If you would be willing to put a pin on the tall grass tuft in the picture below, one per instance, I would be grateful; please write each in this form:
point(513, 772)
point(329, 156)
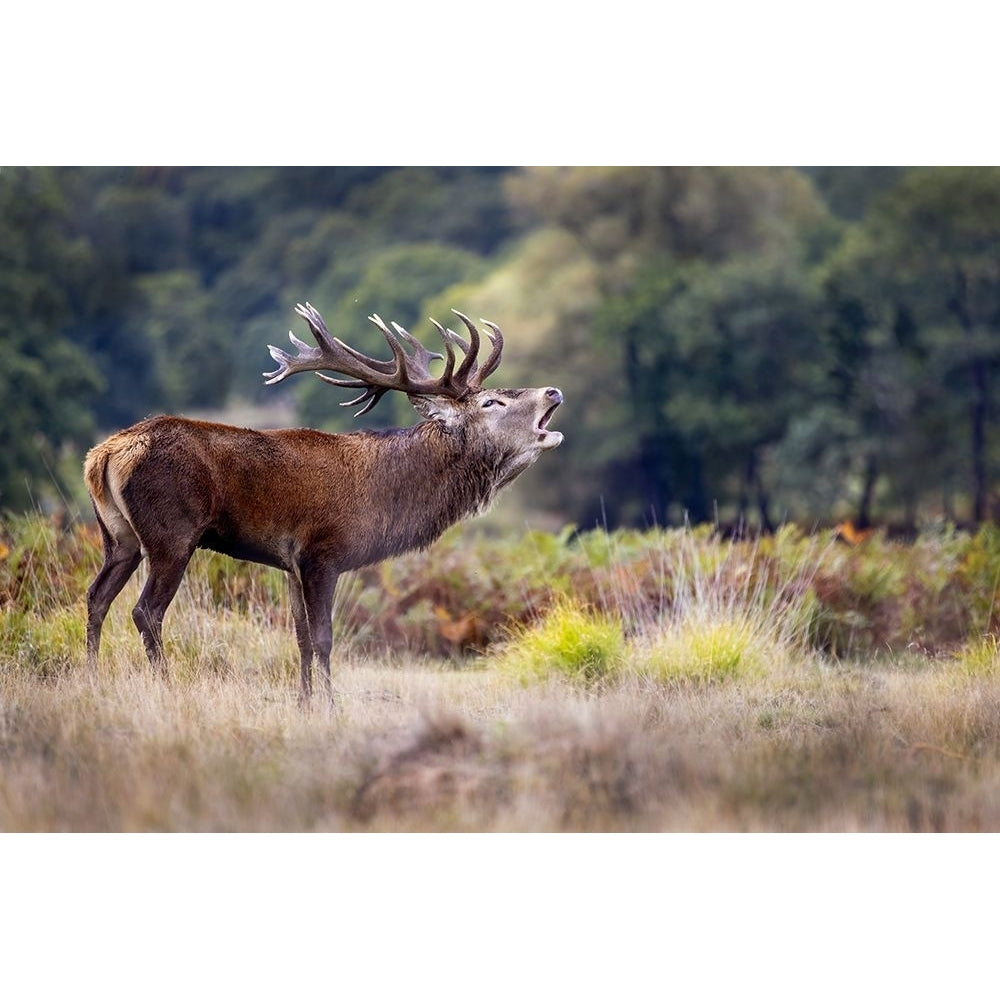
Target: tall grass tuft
point(979, 657)
point(706, 650)
point(571, 641)
point(733, 611)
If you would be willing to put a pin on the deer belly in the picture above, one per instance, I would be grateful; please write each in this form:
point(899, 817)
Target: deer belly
point(233, 544)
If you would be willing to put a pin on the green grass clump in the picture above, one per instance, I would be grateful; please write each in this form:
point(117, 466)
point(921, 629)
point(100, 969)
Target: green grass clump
point(706, 650)
point(979, 657)
point(45, 646)
point(571, 642)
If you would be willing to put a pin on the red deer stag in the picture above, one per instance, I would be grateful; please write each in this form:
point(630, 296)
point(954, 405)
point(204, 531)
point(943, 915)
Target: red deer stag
point(310, 503)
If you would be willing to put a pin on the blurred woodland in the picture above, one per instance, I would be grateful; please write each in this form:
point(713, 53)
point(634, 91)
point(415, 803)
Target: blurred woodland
point(735, 344)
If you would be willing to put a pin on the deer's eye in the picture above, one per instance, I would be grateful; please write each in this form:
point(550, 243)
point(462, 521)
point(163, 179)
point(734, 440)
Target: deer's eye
point(490, 402)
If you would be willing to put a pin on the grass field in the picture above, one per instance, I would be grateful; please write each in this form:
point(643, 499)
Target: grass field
point(662, 680)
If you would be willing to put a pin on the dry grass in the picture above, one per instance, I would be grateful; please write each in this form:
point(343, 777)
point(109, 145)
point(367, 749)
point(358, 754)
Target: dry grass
point(796, 741)
point(901, 745)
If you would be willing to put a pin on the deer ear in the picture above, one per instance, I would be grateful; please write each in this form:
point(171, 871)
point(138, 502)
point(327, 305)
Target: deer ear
point(439, 408)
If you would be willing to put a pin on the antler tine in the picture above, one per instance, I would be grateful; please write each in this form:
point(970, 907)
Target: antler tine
point(472, 352)
point(384, 367)
point(288, 365)
point(310, 314)
point(401, 369)
point(450, 337)
point(449, 365)
point(415, 344)
point(420, 355)
point(493, 361)
point(369, 397)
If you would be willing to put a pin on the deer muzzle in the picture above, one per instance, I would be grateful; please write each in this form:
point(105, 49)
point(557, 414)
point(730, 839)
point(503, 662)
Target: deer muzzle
point(546, 438)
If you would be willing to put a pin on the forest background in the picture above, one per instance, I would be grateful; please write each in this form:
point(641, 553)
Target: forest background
point(753, 345)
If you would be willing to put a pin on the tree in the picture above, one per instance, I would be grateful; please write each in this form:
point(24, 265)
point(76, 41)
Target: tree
point(939, 230)
point(623, 217)
point(645, 242)
point(717, 361)
point(849, 191)
point(914, 327)
point(47, 384)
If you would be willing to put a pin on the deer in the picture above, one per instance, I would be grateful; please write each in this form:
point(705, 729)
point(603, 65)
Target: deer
point(311, 503)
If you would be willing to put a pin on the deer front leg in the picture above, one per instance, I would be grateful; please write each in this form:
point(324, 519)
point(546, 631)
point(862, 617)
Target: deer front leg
point(319, 581)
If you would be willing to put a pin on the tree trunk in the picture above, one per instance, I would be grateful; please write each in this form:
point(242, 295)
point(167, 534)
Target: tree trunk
point(763, 501)
point(864, 518)
point(979, 405)
point(978, 411)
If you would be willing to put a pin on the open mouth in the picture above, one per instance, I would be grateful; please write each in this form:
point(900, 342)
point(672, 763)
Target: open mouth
point(547, 438)
point(546, 417)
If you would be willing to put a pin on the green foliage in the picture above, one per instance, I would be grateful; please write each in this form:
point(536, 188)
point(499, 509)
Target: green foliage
point(178, 320)
point(913, 332)
point(979, 574)
point(47, 384)
point(621, 213)
point(787, 364)
point(850, 192)
point(240, 586)
point(690, 604)
point(718, 361)
point(45, 569)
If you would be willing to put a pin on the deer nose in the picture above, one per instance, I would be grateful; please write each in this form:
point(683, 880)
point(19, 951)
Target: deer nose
point(554, 394)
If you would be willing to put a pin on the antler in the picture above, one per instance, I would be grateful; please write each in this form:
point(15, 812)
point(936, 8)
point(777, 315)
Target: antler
point(408, 371)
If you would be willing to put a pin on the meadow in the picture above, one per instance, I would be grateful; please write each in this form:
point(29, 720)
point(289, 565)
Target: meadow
point(663, 680)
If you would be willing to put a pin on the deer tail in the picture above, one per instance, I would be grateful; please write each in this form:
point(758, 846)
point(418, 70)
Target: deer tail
point(110, 464)
point(95, 470)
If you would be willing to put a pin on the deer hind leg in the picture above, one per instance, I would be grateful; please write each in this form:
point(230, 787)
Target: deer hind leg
point(302, 636)
point(165, 575)
point(122, 554)
point(318, 585)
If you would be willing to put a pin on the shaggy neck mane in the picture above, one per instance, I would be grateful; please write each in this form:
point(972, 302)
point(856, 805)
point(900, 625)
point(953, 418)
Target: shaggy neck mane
point(428, 479)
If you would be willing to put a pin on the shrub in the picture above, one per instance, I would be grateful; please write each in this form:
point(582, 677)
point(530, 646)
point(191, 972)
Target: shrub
point(571, 641)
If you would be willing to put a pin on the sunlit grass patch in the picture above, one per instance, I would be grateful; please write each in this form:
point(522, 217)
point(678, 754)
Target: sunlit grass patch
point(571, 642)
point(979, 657)
point(706, 650)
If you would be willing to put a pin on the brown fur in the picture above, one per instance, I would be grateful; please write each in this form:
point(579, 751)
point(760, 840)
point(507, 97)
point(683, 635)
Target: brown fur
point(310, 503)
